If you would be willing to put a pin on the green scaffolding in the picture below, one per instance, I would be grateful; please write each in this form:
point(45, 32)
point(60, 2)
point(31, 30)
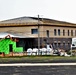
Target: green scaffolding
point(4, 46)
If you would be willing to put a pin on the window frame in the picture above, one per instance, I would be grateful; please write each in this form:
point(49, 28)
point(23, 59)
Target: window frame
point(55, 32)
point(34, 31)
point(68, 33)
point(63, 32)
point(58, 32)
point(47, 33)
point(71, 32)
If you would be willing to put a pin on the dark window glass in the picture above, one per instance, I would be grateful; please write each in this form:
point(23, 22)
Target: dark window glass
point(71, 32)
point(55, 32)
point(47, 33)
point(59, 32)
point(34, 31)
point(68, 32)
point(63, 32)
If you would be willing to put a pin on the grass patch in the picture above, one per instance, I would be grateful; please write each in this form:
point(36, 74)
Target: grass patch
point(35, 58)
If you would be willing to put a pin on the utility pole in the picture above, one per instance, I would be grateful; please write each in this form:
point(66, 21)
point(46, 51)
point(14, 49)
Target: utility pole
point(38, 36)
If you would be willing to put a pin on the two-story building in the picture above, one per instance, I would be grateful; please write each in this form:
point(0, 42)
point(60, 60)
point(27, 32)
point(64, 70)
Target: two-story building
point(36, 32)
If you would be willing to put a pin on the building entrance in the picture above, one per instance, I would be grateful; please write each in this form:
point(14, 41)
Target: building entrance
point(10, 48)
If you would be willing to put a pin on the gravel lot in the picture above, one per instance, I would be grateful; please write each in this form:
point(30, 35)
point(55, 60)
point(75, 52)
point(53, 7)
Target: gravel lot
point(38, 70)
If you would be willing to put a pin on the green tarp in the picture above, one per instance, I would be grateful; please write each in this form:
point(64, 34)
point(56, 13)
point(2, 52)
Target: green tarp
point(5, 46)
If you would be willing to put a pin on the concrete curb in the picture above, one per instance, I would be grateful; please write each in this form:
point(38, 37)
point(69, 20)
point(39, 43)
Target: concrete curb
point(39, 64)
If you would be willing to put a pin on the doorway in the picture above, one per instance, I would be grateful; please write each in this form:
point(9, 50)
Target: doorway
point(10, 48)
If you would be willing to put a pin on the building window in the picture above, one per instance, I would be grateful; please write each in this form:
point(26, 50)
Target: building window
point(34, 31)
point(71, 32)
point(59, 32)
point(68, 32)
point(55, 32)
point(63, 32)
point(47, 33)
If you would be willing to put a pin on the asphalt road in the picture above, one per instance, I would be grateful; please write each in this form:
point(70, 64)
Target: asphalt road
point(38, 70)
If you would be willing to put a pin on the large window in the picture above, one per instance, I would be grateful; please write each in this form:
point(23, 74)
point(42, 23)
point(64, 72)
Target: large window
point(55, 32)
point(59, 32)
point(34, 31)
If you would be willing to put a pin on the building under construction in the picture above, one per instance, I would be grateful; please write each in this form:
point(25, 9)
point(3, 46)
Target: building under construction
point(33, 32)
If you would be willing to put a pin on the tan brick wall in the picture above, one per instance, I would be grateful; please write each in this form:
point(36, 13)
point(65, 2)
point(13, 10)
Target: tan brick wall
point(51, 30)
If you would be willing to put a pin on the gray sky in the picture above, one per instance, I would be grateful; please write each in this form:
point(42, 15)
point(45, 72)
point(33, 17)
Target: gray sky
point(64, 10)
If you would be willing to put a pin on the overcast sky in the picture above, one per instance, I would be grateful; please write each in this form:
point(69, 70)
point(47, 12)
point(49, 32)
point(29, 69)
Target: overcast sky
point(64, 10)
